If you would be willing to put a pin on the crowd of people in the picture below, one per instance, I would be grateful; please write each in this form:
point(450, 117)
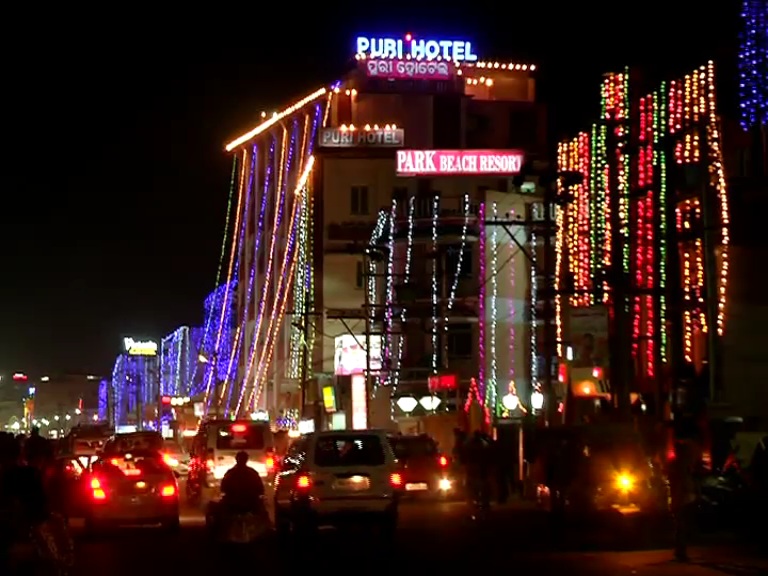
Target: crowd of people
point(33, 529)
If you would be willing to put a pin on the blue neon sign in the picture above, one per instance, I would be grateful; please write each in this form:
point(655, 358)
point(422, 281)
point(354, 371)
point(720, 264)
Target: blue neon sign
point(415, 48)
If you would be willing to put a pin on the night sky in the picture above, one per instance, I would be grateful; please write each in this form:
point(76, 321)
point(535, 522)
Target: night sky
point(112, 218)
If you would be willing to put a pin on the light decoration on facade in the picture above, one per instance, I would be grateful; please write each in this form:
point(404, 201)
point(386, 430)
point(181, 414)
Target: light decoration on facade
point(224, 242)
point(459, 261)
point(372, 284)
point(684, 111)
point(475, 396)
point(232, 258)
point(515, 66)
point(367, 127)
point(390, 292)
point(481, 307)
point(276, 118)
point(534, 294)
point(753, 64)
point(234, 354)
point(513, 250)
point(493, 379)
point(267, 307)
point(482, 81)
point(435, 285)
point(406, 280)
point(301, 193)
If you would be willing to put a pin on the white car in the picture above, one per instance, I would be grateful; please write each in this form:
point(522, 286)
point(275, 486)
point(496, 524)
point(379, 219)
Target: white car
point(331, 477)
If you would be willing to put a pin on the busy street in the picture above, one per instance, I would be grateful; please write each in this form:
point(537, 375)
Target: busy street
point(431, 537)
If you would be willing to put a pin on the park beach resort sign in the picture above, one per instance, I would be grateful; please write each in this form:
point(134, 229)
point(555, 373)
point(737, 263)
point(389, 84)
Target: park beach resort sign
point(458, 162)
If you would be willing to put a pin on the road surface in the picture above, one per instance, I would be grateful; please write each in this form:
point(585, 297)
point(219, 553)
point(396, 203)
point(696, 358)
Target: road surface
point(515, 539)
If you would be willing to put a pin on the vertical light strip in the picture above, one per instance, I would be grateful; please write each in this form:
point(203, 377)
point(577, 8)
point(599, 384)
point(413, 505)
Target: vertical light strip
point(435, 287)
point(494, 308)
point(481, 306)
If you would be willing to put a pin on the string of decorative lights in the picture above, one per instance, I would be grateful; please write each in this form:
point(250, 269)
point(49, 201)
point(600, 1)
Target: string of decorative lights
point(753, 64)
point(301, 192)
point(494, 379)
point(242, 247)
point(481, 306)
point(534, 347)
point(406, 280)
point(232, 257)
point(390, 291)
point(286, 151)
point(222, 252)
point(293, 255)
point(512, 348)
point(268, 169)
point(459, 260)
point(435, 287)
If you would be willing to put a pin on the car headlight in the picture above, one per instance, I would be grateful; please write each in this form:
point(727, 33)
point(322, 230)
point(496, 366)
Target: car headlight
point(625, 482)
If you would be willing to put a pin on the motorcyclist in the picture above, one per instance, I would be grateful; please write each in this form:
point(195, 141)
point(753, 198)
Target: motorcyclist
point(242, 487)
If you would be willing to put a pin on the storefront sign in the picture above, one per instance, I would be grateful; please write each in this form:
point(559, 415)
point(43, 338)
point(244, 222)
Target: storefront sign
point(137, 348)
point(408, 69)
point(458, 162)
point(415, 48)
point(360, 138)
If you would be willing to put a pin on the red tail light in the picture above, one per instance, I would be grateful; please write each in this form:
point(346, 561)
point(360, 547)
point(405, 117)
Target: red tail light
point(98, 490)
point(443, 461)
point(168, 491)
point(396, 480)
point(239, 428)
point(269, 462)
point(303, 482)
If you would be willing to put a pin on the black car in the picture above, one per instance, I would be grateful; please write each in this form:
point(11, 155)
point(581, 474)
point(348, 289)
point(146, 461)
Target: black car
point(424, 469)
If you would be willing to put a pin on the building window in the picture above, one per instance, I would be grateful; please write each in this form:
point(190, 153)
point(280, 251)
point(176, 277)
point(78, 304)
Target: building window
point(358, 201)
point(452, 255)
point(359, 275)
point(460, 341)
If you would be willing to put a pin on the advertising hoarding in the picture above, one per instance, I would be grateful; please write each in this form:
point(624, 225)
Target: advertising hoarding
point(350, 356)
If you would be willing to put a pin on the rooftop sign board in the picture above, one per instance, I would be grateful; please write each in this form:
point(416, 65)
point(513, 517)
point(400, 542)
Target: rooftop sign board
point(411, 48)
point(138, 348)
point(458, 162)
point(361, 138)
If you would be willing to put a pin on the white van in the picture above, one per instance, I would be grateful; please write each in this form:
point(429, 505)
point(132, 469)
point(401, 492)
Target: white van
point(218, 441)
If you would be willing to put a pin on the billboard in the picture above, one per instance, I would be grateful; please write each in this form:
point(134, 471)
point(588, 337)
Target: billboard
point(350, 356)
point(458, 162)
point(589, 336)
point(362, 138)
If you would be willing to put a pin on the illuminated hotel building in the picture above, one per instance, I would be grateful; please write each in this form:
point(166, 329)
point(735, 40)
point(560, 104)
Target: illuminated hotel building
point(339, 248)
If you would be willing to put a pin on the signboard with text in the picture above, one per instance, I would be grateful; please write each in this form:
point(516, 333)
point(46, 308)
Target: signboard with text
point(360, 138)
point(458, 162)
point(412, 48)
point(408, 69)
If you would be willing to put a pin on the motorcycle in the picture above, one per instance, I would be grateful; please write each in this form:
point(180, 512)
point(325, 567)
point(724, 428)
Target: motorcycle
point(239, 528)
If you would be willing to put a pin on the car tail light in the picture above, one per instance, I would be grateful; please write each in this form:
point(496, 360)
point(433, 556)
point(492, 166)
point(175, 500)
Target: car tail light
point(396, 480)
point(239, 428)
point(269, 462)
point(98, 490)
point(443, 461)
point(168, 491)
point(303, 482)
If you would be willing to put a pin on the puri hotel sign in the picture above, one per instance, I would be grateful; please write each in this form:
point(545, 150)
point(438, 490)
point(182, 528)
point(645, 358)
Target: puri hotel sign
point(411, 58)
point(345, 137)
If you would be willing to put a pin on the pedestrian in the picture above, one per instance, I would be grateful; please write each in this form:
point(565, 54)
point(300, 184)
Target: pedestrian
point(683, 494)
